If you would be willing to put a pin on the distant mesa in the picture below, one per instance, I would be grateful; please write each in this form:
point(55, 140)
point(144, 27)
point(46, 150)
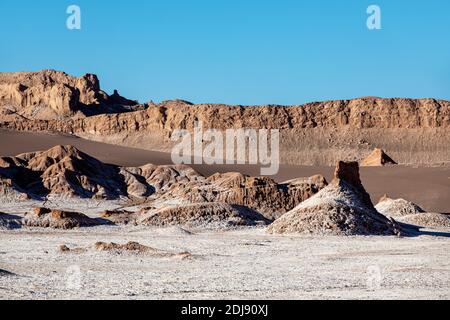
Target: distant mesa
point(315, 133)
point(341, 208)
point(377, 158)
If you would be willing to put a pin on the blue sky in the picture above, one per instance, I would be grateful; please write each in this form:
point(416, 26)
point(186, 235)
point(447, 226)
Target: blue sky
point(235, 51)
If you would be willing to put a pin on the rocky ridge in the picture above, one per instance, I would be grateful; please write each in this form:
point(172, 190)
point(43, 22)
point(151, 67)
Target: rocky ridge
point(64, 171)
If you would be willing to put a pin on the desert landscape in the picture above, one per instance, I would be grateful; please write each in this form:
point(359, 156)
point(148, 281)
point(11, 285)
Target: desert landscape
point(92, 207)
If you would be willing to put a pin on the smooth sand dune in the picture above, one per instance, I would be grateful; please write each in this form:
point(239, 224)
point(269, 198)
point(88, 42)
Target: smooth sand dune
point(428, 187)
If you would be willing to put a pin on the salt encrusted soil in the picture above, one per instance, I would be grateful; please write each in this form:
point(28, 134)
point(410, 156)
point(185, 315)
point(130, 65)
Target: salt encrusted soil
point(397, 207)
point(248, 264)
point(212, 215)
point(428, 219)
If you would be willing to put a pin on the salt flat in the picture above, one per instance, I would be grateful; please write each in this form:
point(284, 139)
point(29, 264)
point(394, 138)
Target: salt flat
point(247, 264)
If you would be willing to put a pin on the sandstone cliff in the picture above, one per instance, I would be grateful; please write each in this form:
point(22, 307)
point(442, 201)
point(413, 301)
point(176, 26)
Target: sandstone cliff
point(52, 94)
point(412, 131)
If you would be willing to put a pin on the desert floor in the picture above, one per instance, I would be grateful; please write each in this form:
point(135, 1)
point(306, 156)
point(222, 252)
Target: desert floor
point(428, 187)
point(246, 263)
point(236, 264)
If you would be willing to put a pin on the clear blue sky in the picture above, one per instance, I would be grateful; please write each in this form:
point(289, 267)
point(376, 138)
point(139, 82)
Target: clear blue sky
point(237, 51)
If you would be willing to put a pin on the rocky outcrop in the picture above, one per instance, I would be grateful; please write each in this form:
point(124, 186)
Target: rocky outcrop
point(205, 215)
point(397, 207)
point(311, 134)
point(50, 94)
point(66, 171)
point(429, 219)
point(9, 222)
point(57, 219)
point(258, 193)
point(377, 158)
point(128, 248)
point(341, 208)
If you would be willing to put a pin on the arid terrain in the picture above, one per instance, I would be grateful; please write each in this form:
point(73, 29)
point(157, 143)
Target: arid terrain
point(247, 264)
point(91, 205)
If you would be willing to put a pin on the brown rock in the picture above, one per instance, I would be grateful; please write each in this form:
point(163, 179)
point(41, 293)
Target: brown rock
point(341, 208)
point(50, 94)
point(316, 133)
point(121, 216)
point(137, 248)
point(65, 170)
point(58, 219)
point(205, 215)
point(377, 158)
point(258, 193)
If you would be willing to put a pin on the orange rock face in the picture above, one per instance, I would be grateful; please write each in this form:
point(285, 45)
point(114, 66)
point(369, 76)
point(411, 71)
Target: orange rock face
point(51, 94)
point(318, 133)
point(377, 158)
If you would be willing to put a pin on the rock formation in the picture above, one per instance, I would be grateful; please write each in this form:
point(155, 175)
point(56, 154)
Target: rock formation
point(316, 133)
point(207, 215)
point(9, 222)
point(127, 248)
point(50, 94)
point(66, 171)
point(58, 219)
point(428, 219)
point(341, 208)
point(121, 217)
point(259, 193)
point(397, 207)
point(377, 158)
